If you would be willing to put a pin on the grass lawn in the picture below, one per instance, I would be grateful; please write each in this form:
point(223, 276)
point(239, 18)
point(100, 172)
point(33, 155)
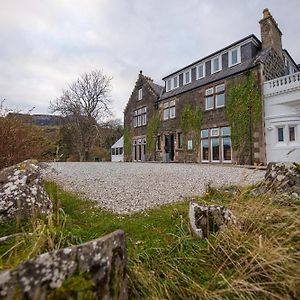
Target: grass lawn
point(260, 261)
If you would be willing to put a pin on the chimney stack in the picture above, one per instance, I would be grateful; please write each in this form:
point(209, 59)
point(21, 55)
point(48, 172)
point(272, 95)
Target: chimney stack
point(270, 33)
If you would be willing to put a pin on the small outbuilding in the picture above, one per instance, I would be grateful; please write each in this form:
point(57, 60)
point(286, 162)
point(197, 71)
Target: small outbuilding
point(117, 150)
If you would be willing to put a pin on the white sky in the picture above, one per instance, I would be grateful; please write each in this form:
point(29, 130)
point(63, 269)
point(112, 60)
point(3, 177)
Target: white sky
point(46, 44)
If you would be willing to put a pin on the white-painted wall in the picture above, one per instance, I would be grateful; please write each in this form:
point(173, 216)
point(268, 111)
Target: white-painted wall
point(282, 109)
point(119, 144)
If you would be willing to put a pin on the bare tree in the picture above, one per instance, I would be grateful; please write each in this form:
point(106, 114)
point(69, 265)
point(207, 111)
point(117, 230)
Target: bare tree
point(85, 103)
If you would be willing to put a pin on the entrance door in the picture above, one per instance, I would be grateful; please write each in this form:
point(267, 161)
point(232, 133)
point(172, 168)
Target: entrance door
point(169, 147)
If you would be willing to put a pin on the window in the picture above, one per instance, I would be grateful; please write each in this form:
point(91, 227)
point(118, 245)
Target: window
point(216, 145)
point(292, 136)
point(190, 145)
point(140, 94)
point(200, 71)
point(220, 96)
point(187, 77)
point(120, 151)
point(113, 151)
point(175, 82)
point(158, 143)
point(169, 85)
point(234, 56)
point(216, 65)
point(169, 110)
point(140, 117)
point(215, 97)
point(280, 134)
point(179, 140)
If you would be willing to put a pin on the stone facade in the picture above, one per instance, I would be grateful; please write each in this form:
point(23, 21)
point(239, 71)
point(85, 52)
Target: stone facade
point(193, 84)
point(100, 264)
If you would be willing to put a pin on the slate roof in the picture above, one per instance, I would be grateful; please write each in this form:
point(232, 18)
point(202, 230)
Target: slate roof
point(156, 87)
point(246, 65)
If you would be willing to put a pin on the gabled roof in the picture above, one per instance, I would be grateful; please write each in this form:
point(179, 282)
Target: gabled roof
point(251, 36)
point(119, 143)
point(156, 88)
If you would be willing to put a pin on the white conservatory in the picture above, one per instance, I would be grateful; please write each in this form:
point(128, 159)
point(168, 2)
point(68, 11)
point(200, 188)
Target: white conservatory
point(117, 150)
point(282, 118)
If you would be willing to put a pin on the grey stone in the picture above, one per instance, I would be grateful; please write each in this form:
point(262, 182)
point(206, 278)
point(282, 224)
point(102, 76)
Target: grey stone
point(207, 219)
point(21, 191)
point(104, 260)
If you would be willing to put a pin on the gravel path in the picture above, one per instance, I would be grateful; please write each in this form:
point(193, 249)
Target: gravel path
point(131, 187)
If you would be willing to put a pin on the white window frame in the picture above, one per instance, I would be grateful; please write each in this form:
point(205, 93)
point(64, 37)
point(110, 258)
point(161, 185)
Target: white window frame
point(211, 148)
point(167, 85)
point(238, 56)
point(212, 64)
point(140, 96)
point(277, 136)
point(219, 93)
point(295, 133)
point(204, 160)
point(197, 70)
point(177, 78)
point(184, 77)
point(222, 142)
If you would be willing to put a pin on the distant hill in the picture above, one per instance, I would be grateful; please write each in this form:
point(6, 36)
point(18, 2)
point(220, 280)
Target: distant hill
point(38, 119)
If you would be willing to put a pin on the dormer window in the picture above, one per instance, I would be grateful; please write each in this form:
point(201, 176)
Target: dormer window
point(200, 71)
point(216, 64)
point(234, 56)
point(175, 82)
point(187, 77)
point(140, 97)
point(169, 85)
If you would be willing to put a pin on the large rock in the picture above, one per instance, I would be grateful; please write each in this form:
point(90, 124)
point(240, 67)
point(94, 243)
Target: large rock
point(21, 191)
point(280, 178)
point(207, 219)
point(98, 268)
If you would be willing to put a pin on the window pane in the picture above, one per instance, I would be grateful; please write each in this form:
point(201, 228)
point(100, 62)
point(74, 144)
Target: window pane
point(292, 134)
point(172, 112)
point(225, 130)
point(166, 104)
point(216, 64)
point(204, 133)
point(200, 71)
point(234, 56)
point(121, 151)
point(166, 113)
point(158, 142)
point(214, 132)
point(209, 102)
point(220, 88)
point(113, 151)
point(169, 84)
point(220, 100)
point(140, 94)
point(280, 134)
point(117, 151)
point(187, 77)
point(175, 82)
point(226, 148)
point(172, 102)
point(215, 149)
point(209, 91)
point(205, 149)
point(179, 140)
point(190, 144)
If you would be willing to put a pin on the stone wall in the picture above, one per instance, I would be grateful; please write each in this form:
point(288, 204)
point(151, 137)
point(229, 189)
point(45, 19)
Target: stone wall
point(98, 268)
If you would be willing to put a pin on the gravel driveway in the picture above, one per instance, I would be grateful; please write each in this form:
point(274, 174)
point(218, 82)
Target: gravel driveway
point(131, 187)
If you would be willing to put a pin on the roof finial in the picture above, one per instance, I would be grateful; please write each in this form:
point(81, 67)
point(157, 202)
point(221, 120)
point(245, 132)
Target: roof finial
point(141, 72)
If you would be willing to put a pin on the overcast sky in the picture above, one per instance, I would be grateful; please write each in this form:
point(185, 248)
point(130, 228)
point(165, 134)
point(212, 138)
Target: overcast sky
point(46, 44)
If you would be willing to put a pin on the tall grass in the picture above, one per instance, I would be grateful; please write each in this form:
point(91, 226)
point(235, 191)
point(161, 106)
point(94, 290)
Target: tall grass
point(261, 260)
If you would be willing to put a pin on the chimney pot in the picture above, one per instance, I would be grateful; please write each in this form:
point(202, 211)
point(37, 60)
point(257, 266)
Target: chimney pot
point(266, 13)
